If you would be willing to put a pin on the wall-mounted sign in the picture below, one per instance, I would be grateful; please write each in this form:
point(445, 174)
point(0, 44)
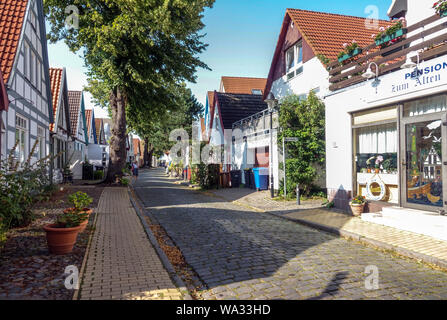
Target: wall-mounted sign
point(420, 77)
point(428, 74)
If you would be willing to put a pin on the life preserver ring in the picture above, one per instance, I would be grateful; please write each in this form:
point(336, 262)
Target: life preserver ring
point(381, 184)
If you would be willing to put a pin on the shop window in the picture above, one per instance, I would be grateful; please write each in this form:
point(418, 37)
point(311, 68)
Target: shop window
point(376, 146)
point(425, 106)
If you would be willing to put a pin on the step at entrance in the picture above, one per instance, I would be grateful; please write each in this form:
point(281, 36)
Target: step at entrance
point(417, 221)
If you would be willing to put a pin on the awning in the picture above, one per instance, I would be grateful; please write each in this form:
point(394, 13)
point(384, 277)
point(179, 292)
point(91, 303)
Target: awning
point(4, 102)
point(397, 7)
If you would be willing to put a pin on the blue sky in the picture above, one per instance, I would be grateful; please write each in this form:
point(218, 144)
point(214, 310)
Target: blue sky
point(241, 34)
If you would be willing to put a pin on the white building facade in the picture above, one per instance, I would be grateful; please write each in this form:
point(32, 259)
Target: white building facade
point(78, 144)
point(27, 82)
point(385, 137)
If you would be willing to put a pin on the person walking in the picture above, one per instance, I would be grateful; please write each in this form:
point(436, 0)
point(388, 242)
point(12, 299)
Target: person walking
point(135, 171)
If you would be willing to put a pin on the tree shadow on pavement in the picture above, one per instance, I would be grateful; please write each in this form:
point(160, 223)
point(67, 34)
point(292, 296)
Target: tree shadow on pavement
point(240, 253)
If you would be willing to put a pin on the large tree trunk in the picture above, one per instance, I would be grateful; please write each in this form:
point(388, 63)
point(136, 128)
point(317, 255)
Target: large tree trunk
point(118, 139)
point(147, 160)
point(151, 152)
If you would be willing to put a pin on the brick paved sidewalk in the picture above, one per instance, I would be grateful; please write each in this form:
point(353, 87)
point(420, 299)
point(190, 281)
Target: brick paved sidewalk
point(122, 263)
point(407, 243)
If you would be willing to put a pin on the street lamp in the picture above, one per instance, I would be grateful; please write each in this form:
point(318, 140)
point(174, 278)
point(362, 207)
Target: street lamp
point(409, 64)
point(271, 103)
point(369, 73)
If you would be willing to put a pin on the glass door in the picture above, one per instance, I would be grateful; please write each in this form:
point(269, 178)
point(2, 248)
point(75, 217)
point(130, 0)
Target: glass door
point(423, 163)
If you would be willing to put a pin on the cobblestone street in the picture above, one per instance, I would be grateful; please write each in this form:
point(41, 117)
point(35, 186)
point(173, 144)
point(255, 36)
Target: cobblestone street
point(242, 254)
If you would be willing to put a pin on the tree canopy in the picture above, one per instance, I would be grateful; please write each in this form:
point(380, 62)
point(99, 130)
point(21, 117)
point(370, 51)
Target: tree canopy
point(137, 52)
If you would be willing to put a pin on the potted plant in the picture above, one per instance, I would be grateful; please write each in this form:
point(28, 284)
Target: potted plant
point(441, 7)
point(378, 163)
point(80, 202)
point(357, 205)
point(369, 164)
point(61, 236)
point(350, 50)
point(390, 34)
point(387, 166)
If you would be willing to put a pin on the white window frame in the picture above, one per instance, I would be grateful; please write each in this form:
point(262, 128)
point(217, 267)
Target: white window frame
point(42, 144)
point(26, 53)
point(292, 72)
point(22, 133)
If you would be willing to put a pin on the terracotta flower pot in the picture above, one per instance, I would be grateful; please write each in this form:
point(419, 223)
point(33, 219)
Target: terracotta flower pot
point(357, 209)
point(377, 170)
point(61, 240)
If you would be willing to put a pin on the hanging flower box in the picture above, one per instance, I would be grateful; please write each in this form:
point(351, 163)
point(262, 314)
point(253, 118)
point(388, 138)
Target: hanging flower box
point(441, 7)
point(347, 56)
point(387, 38)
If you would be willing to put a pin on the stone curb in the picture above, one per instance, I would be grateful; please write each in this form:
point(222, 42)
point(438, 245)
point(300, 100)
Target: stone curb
point(362, 239)
point(164, 259)
point(87, 252)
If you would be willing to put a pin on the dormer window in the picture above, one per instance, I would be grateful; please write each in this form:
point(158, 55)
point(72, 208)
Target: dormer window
point(294, 60)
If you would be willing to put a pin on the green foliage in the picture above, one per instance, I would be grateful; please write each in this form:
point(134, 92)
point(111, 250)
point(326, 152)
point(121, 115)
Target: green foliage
point(138, 55)
point(21, 185)
point(304, 119)
point(389, 31)
point(328, 204)
point(71, 220)
point(324, 60)
point(99, 174)
point(348, 49)
point(156, 127)
point(126, 169)
point(3, 231)
point(124, 181)
point(80, 200)
point(358, 200)
point(208, 175)
point(194, 174)
point(440, 6)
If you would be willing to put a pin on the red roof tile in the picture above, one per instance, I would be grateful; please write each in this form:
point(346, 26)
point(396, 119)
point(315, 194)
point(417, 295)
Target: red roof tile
point(12, 14)
point(88, 119)
point(243, 85)
point(210, 98)
point(202, 127)
point(98, 123)
point(56, 87)
point(327, 32)
point(74, 105)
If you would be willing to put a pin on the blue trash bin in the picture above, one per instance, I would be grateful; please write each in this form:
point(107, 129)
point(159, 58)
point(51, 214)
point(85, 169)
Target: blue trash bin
point(261, 178)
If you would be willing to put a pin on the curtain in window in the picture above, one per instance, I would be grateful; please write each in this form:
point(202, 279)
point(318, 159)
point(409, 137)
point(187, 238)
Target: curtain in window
point(424, 106)
point(377, 139)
